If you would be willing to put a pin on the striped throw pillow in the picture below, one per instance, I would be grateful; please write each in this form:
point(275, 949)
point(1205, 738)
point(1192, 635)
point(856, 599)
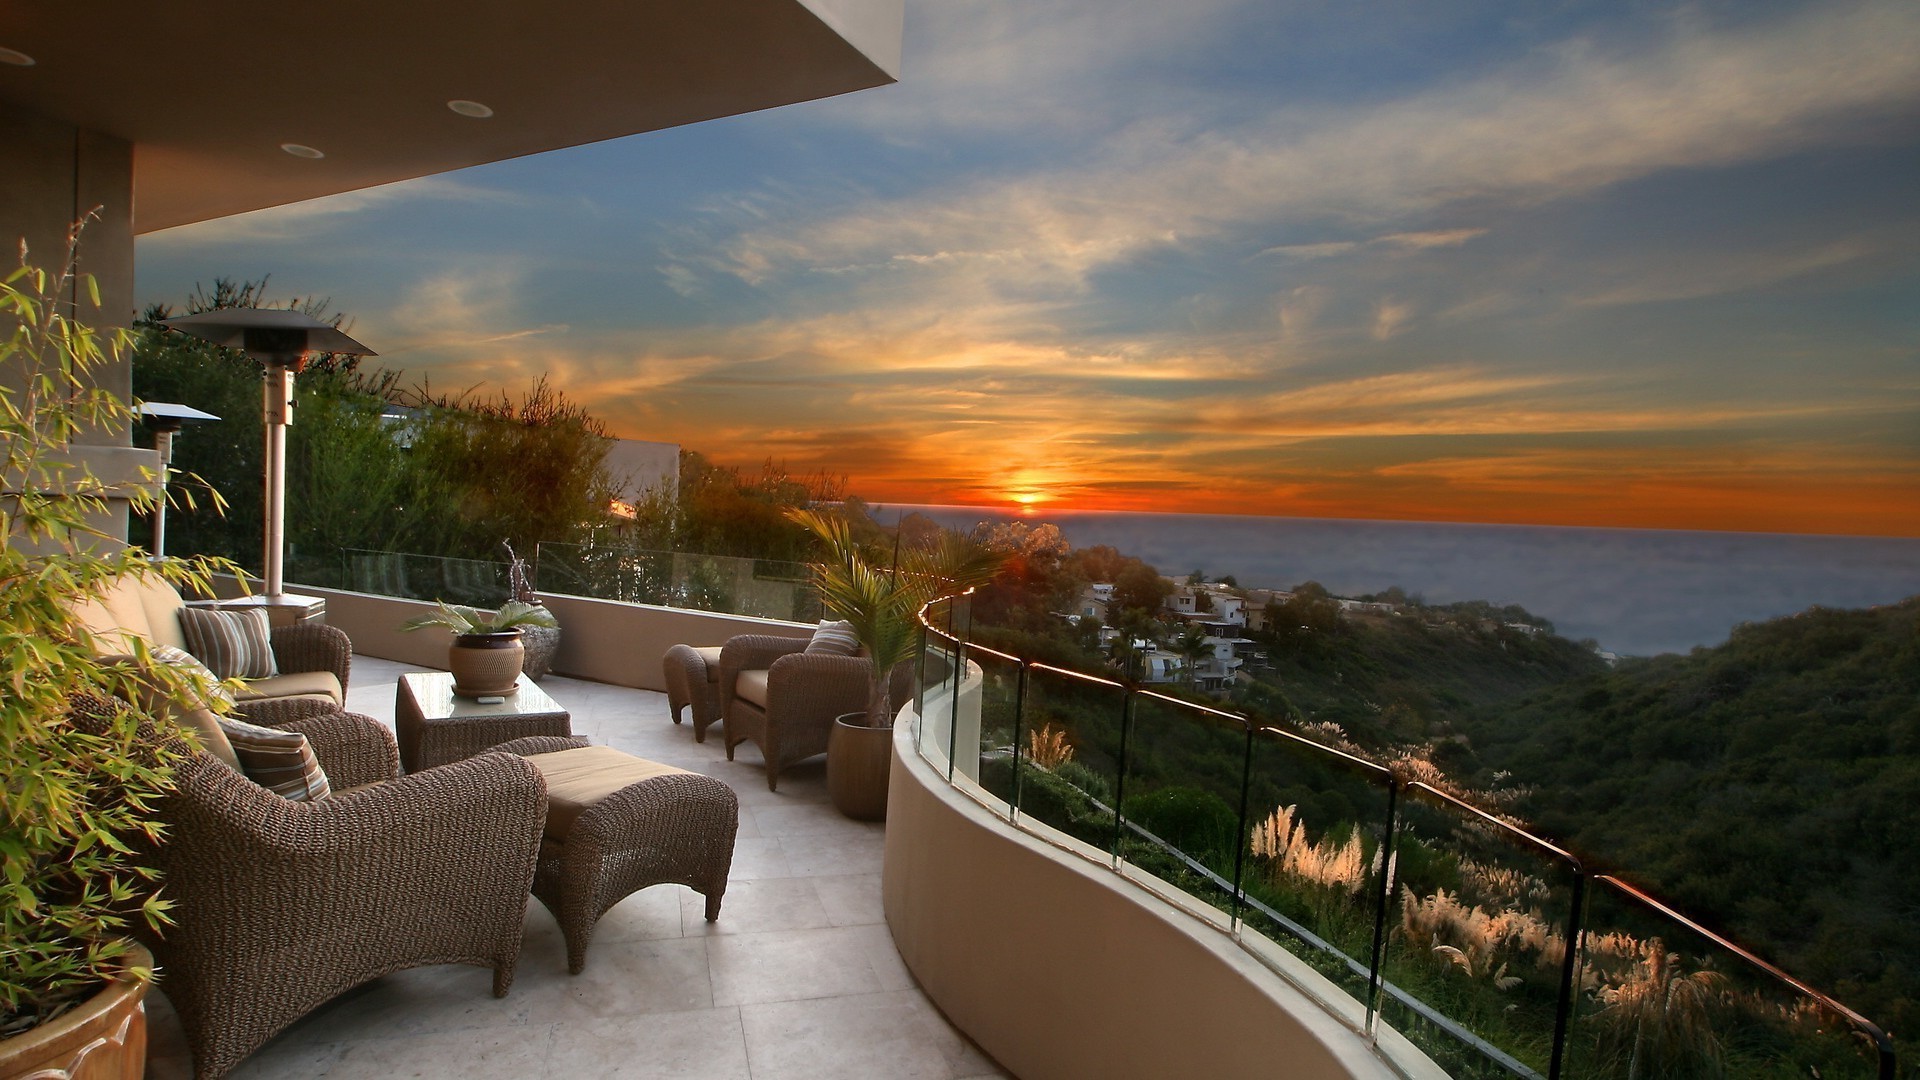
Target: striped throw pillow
point(280, 761)
point(233, 644)
point(212, 694)
point(834, 639)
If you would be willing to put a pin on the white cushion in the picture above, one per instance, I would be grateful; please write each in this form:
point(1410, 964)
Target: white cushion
point(833, 639)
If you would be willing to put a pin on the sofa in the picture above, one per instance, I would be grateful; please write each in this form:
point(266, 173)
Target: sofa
point(313, 659)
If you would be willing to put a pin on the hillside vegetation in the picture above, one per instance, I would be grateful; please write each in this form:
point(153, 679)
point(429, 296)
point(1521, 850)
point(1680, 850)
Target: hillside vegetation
point(1770, 786)
point(1420, 675)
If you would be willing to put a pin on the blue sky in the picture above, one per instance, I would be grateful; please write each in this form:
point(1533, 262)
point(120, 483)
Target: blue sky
point(1611, 263)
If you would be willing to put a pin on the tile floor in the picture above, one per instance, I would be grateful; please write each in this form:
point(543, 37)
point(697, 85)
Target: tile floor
point(798, 979)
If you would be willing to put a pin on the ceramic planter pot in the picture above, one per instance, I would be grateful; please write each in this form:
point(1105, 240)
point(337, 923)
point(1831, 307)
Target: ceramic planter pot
point(859, 759)
point(102, 1038)
point(485, 664)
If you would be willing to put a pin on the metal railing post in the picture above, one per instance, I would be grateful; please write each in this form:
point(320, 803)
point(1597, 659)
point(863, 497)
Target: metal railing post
point(1240, 848)
point(1019, 725)
point(1383, 896)
point(1120, 778)
point(1569, 974)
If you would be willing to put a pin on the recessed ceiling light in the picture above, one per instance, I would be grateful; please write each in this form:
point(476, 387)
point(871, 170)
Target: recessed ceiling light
point(15, 57)
point(469, 108)
point(298, 150)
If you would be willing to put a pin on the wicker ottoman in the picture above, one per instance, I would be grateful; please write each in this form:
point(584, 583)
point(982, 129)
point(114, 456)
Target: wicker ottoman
point(693, 678)
point(617, 824)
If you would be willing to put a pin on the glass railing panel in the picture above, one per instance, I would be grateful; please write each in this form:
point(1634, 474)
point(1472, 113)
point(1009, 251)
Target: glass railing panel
point(1476, 955)
point(1312, 855)
point(936, 686)
point(1068, 762)
point(1660, 996)
point(326, 569)
point(764, 588)
point(1181, 805)
point(1001, 729)
point(474, 582)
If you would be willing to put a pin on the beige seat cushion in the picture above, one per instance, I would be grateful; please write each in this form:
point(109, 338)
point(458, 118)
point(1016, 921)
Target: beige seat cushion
point(712, 658)
point(163, 603)
point(205, 727)
point(752, 686)
point(140, 607)
point(318, 685)
point(578, 779)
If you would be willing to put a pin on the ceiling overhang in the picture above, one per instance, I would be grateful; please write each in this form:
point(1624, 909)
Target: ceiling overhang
point(209, 94)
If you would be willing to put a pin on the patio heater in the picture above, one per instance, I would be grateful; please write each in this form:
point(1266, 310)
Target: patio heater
point(166, 419)
point(281, 340)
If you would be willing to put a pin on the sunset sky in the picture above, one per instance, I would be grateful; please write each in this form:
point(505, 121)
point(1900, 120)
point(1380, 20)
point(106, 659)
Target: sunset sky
point(1575, 263)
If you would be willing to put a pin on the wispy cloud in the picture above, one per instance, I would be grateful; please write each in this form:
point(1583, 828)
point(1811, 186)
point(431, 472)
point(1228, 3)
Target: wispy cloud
point(1689, 275)
point(1432, 238)
point(1588, 119)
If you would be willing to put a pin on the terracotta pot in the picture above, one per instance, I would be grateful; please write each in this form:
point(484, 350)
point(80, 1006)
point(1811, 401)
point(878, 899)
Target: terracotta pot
point(859, 759)
point(102, 1038)
point(484, 664)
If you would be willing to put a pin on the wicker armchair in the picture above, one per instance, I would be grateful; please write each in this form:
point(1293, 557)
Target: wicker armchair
point(279, 906)
point(790, 719)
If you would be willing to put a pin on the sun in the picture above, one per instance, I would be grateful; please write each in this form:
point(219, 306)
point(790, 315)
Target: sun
point(1028, 502)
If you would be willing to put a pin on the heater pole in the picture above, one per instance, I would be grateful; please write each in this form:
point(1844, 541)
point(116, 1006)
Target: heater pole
point(279, 413)
point(163, 445)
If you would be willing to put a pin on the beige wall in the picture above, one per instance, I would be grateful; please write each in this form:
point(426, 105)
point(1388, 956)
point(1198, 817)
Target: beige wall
point(55, 174)
point(1059, 968)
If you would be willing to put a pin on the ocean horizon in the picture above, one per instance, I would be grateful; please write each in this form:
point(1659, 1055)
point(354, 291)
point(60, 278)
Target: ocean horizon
point(1637, 592)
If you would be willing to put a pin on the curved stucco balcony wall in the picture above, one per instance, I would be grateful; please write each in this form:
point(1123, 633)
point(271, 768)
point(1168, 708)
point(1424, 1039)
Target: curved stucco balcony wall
point(1060, 967)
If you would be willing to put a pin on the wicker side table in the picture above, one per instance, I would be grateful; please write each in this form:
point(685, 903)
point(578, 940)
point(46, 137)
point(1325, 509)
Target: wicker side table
point(435, 725)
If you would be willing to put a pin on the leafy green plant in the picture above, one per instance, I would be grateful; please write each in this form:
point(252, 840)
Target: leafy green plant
point(465, 620)
point(881, 603)
point(78, 781)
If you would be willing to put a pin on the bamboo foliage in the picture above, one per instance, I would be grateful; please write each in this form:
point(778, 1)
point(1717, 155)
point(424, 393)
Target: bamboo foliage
point(79, 770)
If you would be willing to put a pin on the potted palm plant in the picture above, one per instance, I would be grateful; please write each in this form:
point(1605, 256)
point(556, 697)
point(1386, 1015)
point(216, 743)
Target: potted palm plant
point(80, 769)
point(881, 602)
point(486, 655)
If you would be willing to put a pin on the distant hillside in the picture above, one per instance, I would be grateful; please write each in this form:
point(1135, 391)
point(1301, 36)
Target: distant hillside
point(1770, 786)
point(1422, 674)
